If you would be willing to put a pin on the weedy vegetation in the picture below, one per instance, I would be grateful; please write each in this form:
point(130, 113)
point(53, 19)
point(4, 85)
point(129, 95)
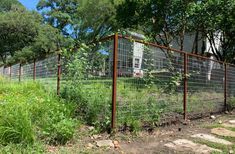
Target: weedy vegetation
point(29, 115)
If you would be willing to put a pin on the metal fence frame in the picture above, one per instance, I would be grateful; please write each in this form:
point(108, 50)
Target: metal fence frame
point(115, 39)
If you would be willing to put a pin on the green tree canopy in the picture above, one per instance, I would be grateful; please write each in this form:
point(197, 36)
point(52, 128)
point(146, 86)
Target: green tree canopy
point(59, 14)
point(160, 20)
point(82, 20)
point(47, 42)
point(17, 30)
point(23, 36)
point(7, 5)
point(215, 20)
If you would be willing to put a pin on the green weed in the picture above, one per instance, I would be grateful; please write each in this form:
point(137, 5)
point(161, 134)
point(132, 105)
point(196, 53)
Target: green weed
point(28, 113)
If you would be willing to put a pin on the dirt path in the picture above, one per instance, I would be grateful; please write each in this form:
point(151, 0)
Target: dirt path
point(202, 136)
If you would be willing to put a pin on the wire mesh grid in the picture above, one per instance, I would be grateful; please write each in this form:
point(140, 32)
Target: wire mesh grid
point(46, 72)
point(1, 70)
point(88, 74)
point(149, 83)
point(27, 72)
point(230, 84)
point(205, 87)
point(6, 71)
point(15, 72)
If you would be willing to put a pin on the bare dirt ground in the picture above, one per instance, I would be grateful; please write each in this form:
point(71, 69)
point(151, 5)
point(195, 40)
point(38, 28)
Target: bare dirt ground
point(153, 142)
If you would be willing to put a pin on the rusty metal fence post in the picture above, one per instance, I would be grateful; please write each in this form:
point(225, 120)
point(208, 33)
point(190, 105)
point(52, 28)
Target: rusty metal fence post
point(185, 85)
point(34, 70)
point(114, 86)
point(20, 72)
point(225, 86)
point(58, 73)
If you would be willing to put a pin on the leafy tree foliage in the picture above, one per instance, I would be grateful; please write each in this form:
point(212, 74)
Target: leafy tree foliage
point(47, 42)
point(84, 21)
point(58, 13)
point(164, 21)
point(23, 36)
point(7, 5)
point(17, 30)
point(161, 20)
point(28, 35)
point(215, 20)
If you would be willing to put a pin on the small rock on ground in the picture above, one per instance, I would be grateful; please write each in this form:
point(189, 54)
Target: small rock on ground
point(182, 145)
point(105, 143)
point(89, 146)
point(231, 121)
point(211, 138)
point(223, 132)
point(91, 128)
point(212, 117)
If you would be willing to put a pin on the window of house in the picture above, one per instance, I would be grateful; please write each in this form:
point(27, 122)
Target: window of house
point(137, 63)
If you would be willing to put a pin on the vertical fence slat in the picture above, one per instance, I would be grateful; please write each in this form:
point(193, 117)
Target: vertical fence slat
point(58, 74)
point(185, 85)
point(114, 86)
point(225, 86)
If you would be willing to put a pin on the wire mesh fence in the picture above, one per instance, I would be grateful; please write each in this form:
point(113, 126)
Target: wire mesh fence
point(149, 83)
point(205, 86)
point(87, 80)
point(43, 71)
point(46, 72)
point(27, 72)
point(230, 85)
point(126, 82)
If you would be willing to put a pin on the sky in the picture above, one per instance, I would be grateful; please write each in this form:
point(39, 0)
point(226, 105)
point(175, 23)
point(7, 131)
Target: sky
point(29, 4)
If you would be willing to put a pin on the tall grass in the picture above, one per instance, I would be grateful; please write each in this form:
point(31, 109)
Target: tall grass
point(28, 113)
